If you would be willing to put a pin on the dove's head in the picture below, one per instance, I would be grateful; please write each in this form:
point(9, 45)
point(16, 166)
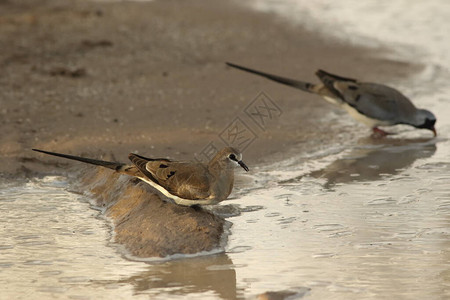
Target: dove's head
point(426, 119)
point(229, 156)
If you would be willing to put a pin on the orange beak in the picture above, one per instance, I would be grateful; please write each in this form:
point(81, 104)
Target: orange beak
point(434, 131)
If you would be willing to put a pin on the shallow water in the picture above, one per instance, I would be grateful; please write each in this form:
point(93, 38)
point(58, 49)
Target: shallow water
point(365, 220)
point(357, 231)
point(53, 245)
point(348, 230)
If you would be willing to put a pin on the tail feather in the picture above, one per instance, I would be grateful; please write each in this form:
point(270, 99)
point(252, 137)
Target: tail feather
point(107, 164)
point(304, 86)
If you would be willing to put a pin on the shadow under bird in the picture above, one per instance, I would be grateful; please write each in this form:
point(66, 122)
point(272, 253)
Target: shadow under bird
point(186, 183)
point(370, 103)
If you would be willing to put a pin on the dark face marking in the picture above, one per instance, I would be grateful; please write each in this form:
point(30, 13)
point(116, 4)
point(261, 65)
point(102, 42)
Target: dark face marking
point(428, 124)
point(170, 174)
point(163, 166)
point(353, 87)
point(357, 97)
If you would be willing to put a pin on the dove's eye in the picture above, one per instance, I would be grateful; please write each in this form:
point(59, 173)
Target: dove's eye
point(232, 157)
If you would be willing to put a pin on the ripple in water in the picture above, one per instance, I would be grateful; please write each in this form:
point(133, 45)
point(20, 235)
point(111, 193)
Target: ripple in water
point(51, 258)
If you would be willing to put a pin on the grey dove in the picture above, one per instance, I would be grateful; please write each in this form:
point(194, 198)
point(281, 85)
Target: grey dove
point(186, 183)
point(370, 103)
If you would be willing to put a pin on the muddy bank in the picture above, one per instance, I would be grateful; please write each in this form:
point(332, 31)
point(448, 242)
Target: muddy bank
point(99, 78)
point(144, 224)
point(104, 79)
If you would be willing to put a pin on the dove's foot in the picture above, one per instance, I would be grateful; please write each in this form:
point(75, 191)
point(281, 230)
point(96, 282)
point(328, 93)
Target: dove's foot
point(379, 133)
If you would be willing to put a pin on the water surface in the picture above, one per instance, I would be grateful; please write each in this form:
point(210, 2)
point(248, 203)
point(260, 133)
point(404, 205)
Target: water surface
point(364, 220)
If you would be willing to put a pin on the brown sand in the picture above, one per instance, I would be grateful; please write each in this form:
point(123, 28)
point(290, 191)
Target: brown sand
point(111, 78)
point(105, 79)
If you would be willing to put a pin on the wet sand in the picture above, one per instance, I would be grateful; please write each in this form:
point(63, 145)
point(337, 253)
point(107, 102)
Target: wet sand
point(104, 79)
point(368, 222)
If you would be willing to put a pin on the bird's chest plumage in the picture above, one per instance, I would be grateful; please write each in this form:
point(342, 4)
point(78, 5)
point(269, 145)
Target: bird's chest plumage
point(223, 184)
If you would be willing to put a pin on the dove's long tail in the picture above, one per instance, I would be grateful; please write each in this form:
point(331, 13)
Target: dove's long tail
point(107, 164)
point(304, 86)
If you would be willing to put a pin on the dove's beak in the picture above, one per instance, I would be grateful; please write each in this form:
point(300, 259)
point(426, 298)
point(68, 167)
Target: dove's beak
point(241, 163)
point(434, 131)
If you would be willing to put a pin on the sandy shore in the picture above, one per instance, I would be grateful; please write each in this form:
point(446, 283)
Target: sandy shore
point(97, 78)
point(104, 79)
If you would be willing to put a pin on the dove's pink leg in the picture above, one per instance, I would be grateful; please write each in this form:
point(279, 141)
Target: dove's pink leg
point(378, 133)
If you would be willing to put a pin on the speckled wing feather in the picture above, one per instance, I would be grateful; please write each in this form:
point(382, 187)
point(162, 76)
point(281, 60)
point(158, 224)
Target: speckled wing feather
point(323, 74)
point(185, 180)
point(373, 100)
point(140, 162)
point(329, 81)
point(381, 102)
